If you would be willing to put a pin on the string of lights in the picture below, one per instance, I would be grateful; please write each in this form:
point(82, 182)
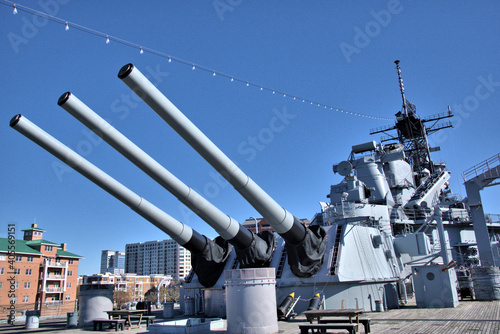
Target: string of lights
point(170, 58)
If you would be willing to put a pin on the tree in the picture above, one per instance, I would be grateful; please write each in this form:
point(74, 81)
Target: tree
point(170, 293)
point(151, 295)
point(120, 298)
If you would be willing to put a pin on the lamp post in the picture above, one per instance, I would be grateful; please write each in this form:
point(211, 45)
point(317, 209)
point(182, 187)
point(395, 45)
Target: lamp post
point(256, 225)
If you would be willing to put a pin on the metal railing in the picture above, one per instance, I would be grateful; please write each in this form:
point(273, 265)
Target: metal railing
point(492, 218)
point(50, 263)
point(482, 168)
point(53, 302)
point(54, 277)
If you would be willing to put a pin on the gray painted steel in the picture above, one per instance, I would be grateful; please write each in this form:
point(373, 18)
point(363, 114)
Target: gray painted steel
point(280, 219)
point(95, 300)
point(435, 288)
point(223, 224)
point(251, 301)
point(168, 310)
point(32, 319)
point(178, 231)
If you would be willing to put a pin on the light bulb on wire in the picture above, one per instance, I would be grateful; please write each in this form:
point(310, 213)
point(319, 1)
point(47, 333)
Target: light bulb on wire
point(107, 39)
point(15, 10)
point(66, 27)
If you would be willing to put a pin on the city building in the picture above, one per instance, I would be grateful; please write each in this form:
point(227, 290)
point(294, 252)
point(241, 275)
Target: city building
point(164, 257)
point(112, 262)
point(43, 274)
point(136, 285)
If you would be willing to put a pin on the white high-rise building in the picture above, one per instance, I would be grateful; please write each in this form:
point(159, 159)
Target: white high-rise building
point(112, 262)
point(164, 257)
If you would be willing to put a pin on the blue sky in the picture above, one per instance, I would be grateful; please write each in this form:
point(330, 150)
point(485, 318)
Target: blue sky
point(339, 54)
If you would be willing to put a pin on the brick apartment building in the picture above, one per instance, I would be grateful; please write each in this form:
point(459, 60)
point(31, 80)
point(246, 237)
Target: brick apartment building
point(45, 275)
point(136, 285)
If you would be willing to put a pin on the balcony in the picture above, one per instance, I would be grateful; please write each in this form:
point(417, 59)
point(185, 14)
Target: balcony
point(49, 263)
point(54, 277)
point(54, 290)
point(53, 302)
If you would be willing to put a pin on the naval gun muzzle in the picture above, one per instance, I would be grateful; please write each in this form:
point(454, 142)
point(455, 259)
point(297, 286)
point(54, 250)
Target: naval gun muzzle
point(252, 250)
point(305, 245)
point(207, 267)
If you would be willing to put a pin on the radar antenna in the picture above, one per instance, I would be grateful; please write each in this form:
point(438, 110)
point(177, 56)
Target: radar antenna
point(412, 132)
point(401, 87)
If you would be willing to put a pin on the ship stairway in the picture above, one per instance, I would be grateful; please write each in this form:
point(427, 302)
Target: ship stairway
point(428, 191)
point(281, 265)
point(336, 251)
point(426, 186)
point(189, 277)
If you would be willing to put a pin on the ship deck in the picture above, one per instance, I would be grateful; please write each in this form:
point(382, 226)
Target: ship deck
point(468, 317)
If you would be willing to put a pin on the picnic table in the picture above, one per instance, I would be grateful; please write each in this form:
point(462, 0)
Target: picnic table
point(127, 315)
point(348, 316)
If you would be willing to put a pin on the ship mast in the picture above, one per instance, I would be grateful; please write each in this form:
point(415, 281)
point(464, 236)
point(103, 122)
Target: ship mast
point(412, 133)
point(401, 87)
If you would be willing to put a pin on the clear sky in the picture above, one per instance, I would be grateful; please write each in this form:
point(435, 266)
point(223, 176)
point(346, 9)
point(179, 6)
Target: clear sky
point(335, 53)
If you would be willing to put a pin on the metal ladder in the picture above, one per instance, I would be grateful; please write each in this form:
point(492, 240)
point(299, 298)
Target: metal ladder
point(336, 251)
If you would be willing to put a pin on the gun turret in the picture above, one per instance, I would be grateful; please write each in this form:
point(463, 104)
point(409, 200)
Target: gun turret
point(252, 250)
point(305, 246)
point(208, 268)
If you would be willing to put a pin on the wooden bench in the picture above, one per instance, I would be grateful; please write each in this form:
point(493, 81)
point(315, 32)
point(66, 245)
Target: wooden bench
point(112, 322)
point(351, 328)
point(150, 319)
point(365, 322)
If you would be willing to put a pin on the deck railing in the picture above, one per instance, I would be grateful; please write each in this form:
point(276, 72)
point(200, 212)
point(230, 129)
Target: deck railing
point(482, 168)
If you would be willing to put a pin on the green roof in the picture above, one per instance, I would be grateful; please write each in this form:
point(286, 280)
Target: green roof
point(26, 247)
point(62, 253)
point(34, 229)
point(40, 242)
point(21, 247)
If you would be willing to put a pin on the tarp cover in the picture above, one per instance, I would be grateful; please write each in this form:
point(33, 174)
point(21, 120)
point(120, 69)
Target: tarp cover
point(306, 257)
point(260, 251)
point(209, 263)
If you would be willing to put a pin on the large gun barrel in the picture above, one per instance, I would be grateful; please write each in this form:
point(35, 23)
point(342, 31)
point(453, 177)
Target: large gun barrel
point(227, 227)
point(280, 219)
point(305, 246)
point(181, 233)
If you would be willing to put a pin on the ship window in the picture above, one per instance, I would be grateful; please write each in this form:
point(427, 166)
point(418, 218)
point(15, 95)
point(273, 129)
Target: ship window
point(430, 276)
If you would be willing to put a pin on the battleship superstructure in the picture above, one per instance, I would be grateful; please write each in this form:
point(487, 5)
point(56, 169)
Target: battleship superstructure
point(391, 217)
